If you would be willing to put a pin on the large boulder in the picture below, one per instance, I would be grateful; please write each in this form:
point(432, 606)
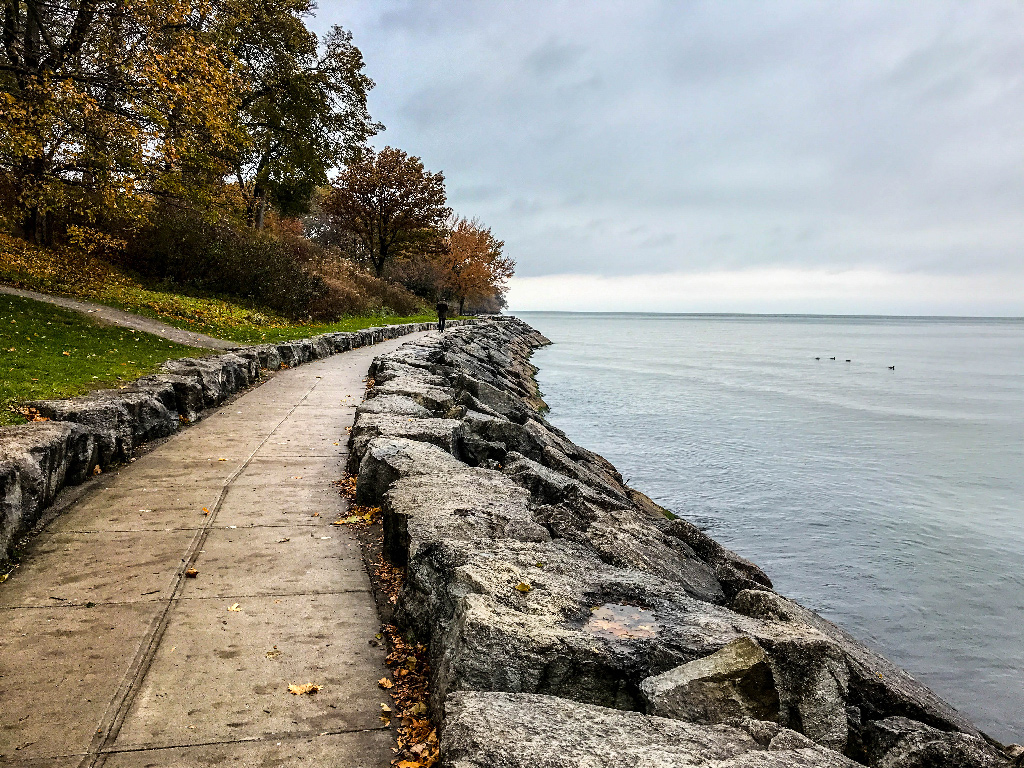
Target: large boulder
point(898, 742)
point(499, 730)
point(734, 682)
point(434, 398)
point(395, 405)
point(444, 433)
point(36, 461)
point(878, 689)
point(387, 460)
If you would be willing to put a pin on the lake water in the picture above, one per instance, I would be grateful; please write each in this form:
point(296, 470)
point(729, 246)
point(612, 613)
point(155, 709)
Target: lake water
point(890, 501)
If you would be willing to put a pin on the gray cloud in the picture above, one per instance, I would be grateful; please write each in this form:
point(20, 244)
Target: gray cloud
point(643, 137)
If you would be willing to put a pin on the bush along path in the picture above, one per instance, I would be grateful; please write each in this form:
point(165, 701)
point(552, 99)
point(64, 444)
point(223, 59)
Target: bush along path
point(199, 605)
point(568, 620)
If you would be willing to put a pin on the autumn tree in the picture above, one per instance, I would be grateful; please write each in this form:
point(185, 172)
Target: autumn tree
point(106, 103)
point(302, 102)
point(389, 205)
point(472, 263)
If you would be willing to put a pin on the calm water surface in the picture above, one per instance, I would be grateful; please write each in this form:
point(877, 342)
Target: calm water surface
point(892, 502)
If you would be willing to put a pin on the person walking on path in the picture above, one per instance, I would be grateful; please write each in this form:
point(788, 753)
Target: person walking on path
point(442, 314)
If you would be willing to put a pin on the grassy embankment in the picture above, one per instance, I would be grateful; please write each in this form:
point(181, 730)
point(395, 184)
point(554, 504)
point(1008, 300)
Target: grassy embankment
point(48, 352)
point(83, 277)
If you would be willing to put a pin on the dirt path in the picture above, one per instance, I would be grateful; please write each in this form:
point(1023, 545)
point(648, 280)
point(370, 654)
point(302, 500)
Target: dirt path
point(110, 656)
point(126, 319)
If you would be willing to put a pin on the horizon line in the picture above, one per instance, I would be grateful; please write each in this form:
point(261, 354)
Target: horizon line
point(763, 314)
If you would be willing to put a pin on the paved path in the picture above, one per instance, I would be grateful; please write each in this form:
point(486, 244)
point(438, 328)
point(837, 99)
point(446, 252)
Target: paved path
point(125, 319)
point(110, 657)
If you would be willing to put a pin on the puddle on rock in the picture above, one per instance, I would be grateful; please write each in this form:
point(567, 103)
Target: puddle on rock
point(622, 622)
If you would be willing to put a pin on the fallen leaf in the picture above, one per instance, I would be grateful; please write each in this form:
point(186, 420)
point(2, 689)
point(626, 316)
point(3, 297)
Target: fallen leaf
point(66, 354)
point(191, 573)
point(523, 587)
point(301, 690)
point(234, 607)
point(385, 709)
point(385, 683)
point(274, 653)
point(96, 470)
point(221, 459)
point(419, 708)
point(348, 520)
point(316, 514)
point(206, 511)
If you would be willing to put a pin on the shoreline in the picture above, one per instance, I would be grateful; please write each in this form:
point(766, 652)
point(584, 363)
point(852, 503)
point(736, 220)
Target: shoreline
point(620, 608)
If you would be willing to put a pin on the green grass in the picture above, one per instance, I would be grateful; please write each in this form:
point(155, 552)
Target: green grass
point(49, 352)
point(80, 276)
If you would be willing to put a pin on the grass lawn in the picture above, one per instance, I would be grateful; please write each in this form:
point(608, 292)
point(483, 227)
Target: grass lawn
point(83, 277)
point(48, 352)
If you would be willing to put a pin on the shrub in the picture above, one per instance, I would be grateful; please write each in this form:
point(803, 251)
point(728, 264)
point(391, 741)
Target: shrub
point(184, 248)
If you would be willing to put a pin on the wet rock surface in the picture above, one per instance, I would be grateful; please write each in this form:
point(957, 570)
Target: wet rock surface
point(76, 436)
point(547, 588)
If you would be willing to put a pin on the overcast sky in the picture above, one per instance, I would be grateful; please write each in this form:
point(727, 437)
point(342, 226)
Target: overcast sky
point(720, 156)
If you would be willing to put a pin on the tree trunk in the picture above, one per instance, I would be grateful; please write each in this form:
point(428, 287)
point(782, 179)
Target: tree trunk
point(261, 211)
point(462, 305)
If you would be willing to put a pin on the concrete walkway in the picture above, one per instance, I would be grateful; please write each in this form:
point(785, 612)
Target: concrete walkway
point(125, 319)
point(110, 656)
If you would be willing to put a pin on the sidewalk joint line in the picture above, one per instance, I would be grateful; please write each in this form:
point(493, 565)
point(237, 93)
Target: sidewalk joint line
point(113, 718)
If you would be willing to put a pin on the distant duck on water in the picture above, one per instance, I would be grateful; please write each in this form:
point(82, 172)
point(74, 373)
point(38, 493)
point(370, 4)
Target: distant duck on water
point(892, 367)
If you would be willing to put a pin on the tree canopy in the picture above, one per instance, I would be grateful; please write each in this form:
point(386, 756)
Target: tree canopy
point(472, 262)
point(390, 204)
point(107, 106)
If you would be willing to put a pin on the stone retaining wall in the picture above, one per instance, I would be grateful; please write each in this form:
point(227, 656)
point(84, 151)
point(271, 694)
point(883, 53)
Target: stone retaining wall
point(39, 459)
point(572, 621)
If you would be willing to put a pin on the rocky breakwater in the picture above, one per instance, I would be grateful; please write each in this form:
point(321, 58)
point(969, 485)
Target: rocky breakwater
point(69, 440)
point(572, 621)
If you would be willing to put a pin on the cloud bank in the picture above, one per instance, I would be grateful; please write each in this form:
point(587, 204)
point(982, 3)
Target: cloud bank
point(863, 153)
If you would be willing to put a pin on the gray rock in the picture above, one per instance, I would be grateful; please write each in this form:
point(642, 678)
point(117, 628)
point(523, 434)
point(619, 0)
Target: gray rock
point(734, 573)
point(37, 460)
point(395, 405)
point(736, 681)
point(424, 510)
point(435, 399)
point(385, 370)
point(444, 433)
point(499, 730)
point(387, 460)
point(898, 742)
point(877, 687)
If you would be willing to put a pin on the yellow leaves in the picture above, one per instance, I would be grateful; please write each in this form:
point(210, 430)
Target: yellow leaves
point(362, 516)
point(306, 689)
point(273, 653)
point(191, 573)
point(235, 607)
point(385, 683)
point(523, 587)
point(206, 511)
